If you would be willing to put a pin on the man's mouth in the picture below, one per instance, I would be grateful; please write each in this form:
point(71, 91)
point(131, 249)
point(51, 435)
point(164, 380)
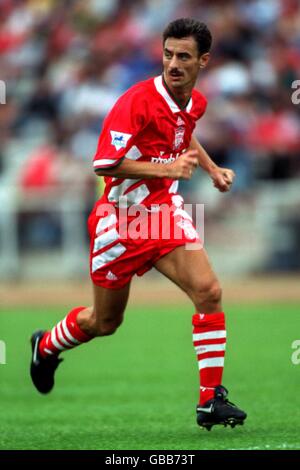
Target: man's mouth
point(176, 74)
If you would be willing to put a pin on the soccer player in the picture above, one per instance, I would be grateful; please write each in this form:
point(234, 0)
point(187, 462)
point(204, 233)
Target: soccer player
point(145, 147)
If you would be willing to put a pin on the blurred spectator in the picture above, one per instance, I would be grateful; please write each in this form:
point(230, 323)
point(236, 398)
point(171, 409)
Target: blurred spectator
point(66, 62)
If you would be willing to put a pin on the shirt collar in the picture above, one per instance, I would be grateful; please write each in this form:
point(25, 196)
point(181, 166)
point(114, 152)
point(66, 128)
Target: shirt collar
point(159, 85)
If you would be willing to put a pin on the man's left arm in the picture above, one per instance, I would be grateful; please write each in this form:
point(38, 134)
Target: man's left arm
point(222, 177)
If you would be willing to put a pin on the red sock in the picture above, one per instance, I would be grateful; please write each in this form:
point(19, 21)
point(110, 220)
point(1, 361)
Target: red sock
point(209, 338)
point(65, 335)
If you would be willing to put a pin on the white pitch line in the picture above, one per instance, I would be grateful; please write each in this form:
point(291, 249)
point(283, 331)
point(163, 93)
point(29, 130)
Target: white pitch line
point(284, 445)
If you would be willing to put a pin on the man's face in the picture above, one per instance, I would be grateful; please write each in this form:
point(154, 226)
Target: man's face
point(182, 62)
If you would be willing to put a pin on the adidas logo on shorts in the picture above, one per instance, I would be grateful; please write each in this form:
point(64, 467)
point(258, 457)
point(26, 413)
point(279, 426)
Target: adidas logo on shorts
point(111, 276)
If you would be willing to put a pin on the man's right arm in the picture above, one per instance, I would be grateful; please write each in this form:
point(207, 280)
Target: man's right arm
point(182, 168)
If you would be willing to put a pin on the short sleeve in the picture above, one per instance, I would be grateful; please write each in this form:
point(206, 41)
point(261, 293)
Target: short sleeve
point(200, 104)
point(121, 127)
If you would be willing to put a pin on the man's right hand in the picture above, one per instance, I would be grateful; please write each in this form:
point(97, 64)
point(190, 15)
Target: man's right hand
point(184, 166)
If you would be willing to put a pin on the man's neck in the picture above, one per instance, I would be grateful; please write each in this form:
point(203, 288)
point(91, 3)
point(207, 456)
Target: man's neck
point(180, 95)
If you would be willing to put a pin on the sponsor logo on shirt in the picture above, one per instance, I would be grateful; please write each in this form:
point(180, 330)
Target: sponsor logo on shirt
point(167, 159)
point(119, 139)
point(163, 160)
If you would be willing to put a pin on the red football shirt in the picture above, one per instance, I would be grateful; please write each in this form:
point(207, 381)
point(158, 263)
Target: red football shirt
point(147, 125)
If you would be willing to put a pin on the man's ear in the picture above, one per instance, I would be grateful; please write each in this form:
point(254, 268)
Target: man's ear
point(203, 61)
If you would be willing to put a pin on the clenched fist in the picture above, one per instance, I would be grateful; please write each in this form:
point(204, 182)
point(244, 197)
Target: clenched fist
point(184, 166)
point(222, 178)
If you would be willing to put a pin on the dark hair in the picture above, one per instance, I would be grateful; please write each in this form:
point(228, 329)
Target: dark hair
point(184, 27)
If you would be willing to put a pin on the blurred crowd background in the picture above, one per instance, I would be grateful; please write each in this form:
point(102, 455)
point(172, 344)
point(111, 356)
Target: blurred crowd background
point(64, 64)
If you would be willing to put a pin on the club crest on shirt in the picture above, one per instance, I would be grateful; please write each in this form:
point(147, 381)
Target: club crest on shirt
point(180, 122)
point(119, 139)
point(179, 134)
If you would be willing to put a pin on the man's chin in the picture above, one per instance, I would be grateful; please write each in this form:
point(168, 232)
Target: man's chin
point(176, 82)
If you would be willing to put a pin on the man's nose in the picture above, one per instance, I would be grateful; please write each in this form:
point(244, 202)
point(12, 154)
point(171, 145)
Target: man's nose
point(174, 62)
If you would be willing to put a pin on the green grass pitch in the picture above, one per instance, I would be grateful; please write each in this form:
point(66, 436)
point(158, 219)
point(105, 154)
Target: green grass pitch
point(138, 389)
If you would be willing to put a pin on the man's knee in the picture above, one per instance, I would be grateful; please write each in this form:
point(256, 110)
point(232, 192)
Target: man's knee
point(96, 323)
point(208, 293)
point(106, 326)
point(214, 292)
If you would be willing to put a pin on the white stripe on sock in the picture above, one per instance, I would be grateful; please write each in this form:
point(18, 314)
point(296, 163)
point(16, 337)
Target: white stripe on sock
point(201, 349)
point(48, 351)
point(211, 362)
point(61, 336)
point(67, 332)
point(209, 335)
point(54, 339)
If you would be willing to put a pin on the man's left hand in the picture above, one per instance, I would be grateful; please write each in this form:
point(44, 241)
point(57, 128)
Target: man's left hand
point(222, 179)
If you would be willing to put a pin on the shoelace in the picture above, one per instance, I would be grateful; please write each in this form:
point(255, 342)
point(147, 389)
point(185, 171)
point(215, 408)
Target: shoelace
point(227, 402)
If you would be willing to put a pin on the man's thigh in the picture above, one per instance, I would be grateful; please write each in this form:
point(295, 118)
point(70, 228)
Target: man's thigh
point(115, 254)
point(189, 269)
